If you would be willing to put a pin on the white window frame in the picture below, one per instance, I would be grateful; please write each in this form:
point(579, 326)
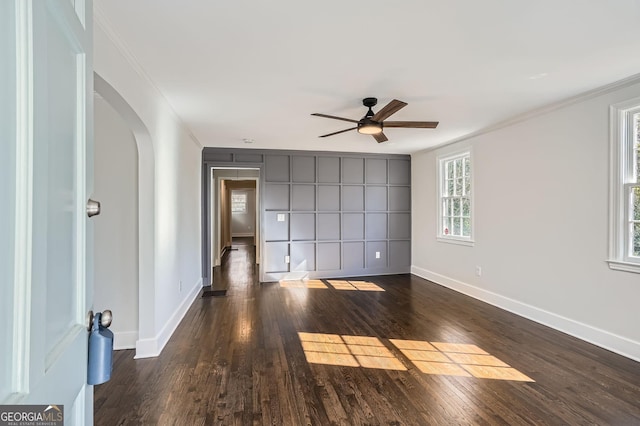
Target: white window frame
point(236, 204)
point(440, 235)
point(622, 180)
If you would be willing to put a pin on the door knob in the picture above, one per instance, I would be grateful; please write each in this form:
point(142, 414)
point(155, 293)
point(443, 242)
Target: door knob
point(93, 207)
point(105, 319)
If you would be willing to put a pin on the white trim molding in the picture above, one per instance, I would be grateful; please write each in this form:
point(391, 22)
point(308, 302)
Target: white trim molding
point(622, 138)
point(149, 348)
point(441, 180)
point(605, 339)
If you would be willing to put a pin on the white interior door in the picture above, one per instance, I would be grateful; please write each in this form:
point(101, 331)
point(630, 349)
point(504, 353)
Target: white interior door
point(47, 96)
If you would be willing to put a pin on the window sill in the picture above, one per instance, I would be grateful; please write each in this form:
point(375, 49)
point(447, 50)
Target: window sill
point(460, 242)
point(624, 266)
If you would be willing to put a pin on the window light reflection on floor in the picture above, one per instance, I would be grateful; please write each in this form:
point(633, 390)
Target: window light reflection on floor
point(438, 358)
point(336, 284)
point(457, 359)
point(302, 284)
point(349, 351)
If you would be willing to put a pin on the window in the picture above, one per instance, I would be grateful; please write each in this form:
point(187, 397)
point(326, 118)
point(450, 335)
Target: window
point(455, 198)
point(238, 202)
point(624, 232)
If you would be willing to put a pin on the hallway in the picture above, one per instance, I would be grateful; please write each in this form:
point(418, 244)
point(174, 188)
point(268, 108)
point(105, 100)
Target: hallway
point(378, 350)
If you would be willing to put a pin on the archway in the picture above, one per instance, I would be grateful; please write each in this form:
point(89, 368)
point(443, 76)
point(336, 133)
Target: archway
point(146, 207)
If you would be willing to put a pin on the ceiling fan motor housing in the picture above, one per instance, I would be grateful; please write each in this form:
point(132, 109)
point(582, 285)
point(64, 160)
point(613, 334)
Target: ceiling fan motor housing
point(369, 127)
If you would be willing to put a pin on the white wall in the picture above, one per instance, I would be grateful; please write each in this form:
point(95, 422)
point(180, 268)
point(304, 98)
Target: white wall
point(169, 166)
point(116, 228)
point(540, 202)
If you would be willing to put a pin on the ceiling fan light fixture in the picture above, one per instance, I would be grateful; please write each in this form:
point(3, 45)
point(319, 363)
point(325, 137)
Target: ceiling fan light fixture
point(368, 127)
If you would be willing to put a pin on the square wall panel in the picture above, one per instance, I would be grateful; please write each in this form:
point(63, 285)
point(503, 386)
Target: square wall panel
point(328, 257)
point(274, 229)
point(248, 158)
point(352, 198)
point(303, 197)
point(376, 198)
point(274, 257)
point(328, 226)
point(276, 196)
point(303, 257)
point(303, 226)
point(376, 226)
point(399, 172)
point(277, 168)
point(353, 170)
point(304, 169)
point(353, 255)
point(328, 197)
point(376, 171)
point(352, 226)
point(399, 226)
point(374, 247)
point(328, 169)
point(399, 198)
point(399, 253)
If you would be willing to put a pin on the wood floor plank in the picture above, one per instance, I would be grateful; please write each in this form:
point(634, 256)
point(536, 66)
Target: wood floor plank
point(240, 360)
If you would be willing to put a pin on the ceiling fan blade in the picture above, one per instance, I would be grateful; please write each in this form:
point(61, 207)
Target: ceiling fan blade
point(334, 117)
point(412, 124)
point(380, 137)
point(390, 108)
point(337, 133)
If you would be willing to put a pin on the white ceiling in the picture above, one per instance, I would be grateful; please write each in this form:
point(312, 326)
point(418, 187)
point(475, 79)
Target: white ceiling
point(250, 69)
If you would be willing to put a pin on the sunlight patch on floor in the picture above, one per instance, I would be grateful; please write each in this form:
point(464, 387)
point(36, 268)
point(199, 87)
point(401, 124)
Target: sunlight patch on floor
point(437, 358)
point(350, 351)
point(302, 284)
point(336, 284)
point(457, 359)
point(354, 285)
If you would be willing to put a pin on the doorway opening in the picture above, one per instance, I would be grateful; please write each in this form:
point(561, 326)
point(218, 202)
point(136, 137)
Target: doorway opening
point(234, 226)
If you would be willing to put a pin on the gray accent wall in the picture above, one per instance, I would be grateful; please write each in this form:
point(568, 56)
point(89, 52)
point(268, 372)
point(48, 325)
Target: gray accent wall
point(330, 214)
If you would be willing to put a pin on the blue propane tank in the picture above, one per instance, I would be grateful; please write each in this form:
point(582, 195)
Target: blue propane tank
point(100, 352)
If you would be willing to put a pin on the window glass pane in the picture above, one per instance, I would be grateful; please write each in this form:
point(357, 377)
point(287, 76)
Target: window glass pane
point(455, 192)
point(456, 226)
point(466, 227)
point(636, 240)
point(459, 186)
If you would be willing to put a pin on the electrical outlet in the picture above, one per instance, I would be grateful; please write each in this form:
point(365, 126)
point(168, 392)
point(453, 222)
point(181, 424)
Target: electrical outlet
point(280, 217)
point(286, 259)
point(377, 255)
point(478, 270)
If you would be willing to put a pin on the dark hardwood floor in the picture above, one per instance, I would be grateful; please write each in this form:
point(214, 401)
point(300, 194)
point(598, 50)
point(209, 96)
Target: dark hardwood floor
point(377, 357)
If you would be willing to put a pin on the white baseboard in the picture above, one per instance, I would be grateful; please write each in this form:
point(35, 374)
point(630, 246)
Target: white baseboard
point(607, 340)
point(242, 234)
point(124, 340)
point(149, 348)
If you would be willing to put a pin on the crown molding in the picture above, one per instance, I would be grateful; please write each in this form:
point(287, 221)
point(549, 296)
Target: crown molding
point(103, 22)
point(563, 103)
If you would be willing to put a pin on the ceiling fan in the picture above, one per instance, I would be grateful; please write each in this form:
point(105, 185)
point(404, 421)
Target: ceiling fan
point(373, 124)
